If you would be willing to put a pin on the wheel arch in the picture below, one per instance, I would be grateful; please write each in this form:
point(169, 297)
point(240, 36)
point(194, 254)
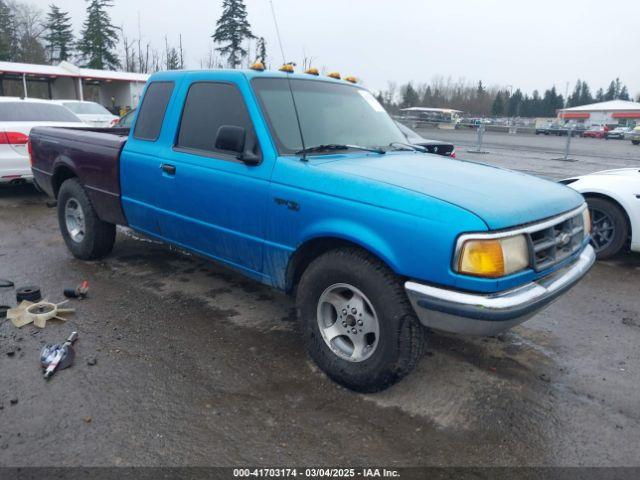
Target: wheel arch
point(616, 202)
point(312, 248)
point(61, 173)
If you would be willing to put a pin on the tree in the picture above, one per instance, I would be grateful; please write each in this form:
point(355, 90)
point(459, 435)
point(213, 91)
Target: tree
point(173, 57)
point(261, 51)
point(59, 35)
point(98, 37)
point(624, 94)
point(497, 109)
point(232, 29)
point(8, 35)
point(600, 95)
point(514, 104)
point(410, 96)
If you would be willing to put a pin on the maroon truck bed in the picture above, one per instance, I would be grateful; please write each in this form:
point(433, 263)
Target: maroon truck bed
point(91, 154)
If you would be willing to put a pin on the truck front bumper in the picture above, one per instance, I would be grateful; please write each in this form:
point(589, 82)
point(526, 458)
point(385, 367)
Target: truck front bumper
point(487, 314)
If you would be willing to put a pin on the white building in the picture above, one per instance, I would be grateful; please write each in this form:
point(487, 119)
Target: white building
point(614, 112)
point(114, 90)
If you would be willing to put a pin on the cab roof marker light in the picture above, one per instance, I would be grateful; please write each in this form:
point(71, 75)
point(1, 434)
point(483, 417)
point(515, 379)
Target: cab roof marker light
point(287, 68)
point(312, 71)
point(335, 75)
point(351, 79)
point(257, 66)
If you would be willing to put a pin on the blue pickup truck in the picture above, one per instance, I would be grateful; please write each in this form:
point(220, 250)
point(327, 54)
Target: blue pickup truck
point(307, 185)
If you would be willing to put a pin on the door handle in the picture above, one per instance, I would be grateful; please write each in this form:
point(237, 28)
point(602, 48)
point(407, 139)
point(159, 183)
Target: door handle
point(168, 169)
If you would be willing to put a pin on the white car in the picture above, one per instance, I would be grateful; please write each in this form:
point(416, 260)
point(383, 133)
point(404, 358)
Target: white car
point(613, 197)
point(91, 113)
point(17, 117)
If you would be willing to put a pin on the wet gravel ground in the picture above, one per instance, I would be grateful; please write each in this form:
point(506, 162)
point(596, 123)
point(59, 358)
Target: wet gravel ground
point(195, 365)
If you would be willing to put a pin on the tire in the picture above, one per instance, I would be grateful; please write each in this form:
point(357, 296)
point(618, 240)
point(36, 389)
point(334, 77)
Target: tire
point(30, 294)
point(394, 350)
point(635, 142)
point(93, 238)
point(616, 220)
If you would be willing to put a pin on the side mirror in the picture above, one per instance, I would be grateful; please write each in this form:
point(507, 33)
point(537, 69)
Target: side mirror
point(235, 139)
point(230, 138)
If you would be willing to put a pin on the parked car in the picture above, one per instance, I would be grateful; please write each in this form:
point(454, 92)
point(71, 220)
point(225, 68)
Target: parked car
point(17, 117)
point(613, 197)
point(431, 146)
point(561, 130)
point(126, 120)
point(596, 131)
point(618, 133)
point(542, 129)
point(325, 202)
point(634, 136)
point(91, 113)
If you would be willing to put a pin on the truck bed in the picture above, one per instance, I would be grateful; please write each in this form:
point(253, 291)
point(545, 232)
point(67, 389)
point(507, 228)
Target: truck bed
point(91, 154)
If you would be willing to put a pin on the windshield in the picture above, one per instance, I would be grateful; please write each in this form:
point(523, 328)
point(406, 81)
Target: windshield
point(330, 113)
point(86, 108)
point(35, 112)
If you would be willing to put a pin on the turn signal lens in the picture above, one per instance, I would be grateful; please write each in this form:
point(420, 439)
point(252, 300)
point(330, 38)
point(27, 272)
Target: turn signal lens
point(586, 222)
point(495, 257)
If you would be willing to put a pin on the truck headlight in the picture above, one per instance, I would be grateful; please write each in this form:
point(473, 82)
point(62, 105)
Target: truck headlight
point(493, 257)
point(586, 222)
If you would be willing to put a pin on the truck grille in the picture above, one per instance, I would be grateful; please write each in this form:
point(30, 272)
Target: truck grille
point(554, 243)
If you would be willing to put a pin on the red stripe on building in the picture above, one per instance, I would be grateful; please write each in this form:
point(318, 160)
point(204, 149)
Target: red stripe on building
point(574, 115)
point(626, 115)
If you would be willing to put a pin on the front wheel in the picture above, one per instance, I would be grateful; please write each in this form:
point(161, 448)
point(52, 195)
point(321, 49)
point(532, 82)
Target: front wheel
point(356, 320)
point(609, 229)
point(86, 236)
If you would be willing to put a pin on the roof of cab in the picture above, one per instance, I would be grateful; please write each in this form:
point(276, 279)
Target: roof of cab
point(249, 74)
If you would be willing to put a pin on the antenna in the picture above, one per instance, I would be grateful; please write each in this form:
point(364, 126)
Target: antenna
point(293, 98)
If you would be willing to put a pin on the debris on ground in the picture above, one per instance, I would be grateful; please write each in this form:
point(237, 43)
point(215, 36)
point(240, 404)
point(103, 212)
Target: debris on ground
point(58, 357)
point(80, 292)
point(30, 294)
point(37, 313)
point(13, 401)
point(87, 419)
point(92, 361)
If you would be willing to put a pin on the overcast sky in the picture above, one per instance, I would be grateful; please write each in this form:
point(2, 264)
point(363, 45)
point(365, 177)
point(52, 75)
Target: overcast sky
point(525, 44)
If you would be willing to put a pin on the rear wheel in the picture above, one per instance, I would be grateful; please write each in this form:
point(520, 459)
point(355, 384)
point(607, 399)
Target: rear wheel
point(86, 236)
point(356, 320)
point(609, 229)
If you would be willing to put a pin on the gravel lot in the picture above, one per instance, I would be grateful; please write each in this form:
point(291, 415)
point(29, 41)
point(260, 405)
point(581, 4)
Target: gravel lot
point(199, 366)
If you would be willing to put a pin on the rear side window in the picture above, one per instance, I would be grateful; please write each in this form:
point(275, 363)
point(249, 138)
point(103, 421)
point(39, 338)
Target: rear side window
point(209, 106)
point(35, 112)
point(154, 106)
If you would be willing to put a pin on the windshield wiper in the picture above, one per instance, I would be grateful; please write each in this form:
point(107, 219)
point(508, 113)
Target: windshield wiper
point(407, 146)
point(336, 146)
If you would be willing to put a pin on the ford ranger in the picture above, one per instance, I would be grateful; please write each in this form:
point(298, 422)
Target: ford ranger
point(307, 185)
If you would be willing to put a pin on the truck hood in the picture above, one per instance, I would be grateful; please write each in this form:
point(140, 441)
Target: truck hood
point(501, 198)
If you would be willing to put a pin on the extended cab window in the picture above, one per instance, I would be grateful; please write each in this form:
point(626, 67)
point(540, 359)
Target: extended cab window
point(208, 107)
point(154, 106)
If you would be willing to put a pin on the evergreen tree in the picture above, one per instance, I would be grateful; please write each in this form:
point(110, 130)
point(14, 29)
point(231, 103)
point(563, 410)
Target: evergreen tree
point(574, 98)
point(59, 35)
point(8, 35)
point(497, 109)
point(262, 51)
point(232, 29)
point(514, 104)
point(585, 94)
point(98, 37)
point(410, 97)
point(611, 92)
point(600, 95)
point(624, 94)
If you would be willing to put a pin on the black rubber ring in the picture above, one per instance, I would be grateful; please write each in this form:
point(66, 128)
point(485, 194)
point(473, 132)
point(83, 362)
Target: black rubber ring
point(30, 293)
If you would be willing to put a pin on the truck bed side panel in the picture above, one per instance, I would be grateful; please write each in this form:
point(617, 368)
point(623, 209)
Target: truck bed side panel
point(93, 155)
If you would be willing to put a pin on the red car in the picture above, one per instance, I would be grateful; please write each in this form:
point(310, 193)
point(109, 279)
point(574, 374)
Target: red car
point(597, 131)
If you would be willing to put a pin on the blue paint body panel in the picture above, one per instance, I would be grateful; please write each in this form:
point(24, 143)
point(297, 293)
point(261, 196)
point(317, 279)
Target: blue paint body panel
point(407, 208)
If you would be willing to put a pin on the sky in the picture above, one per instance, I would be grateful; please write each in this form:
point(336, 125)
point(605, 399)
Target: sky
point(511, 44)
